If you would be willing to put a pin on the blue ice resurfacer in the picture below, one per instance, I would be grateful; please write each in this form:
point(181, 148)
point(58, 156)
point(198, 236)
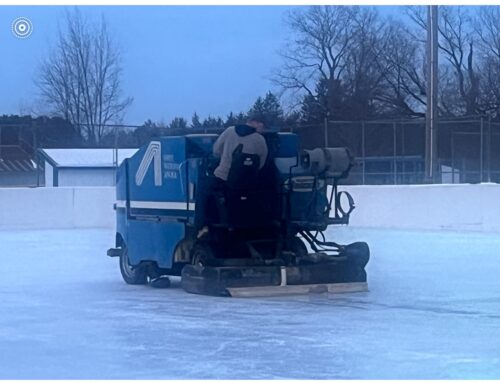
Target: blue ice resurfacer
point(259, 234)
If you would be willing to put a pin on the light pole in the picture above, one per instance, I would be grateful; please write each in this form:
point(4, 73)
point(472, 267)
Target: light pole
point(431, 114)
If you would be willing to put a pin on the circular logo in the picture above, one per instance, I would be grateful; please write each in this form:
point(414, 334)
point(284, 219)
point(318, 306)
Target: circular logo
point(22, 27)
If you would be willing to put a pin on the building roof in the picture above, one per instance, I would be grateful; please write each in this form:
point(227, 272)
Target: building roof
point(77, 158)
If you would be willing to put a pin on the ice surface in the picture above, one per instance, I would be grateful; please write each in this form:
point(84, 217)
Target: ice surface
point(433, 311)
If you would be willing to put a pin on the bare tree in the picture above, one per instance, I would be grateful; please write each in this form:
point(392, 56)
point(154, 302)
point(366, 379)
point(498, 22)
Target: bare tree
point(316, 53)
point(80, 79)
point(340, 62)
point(459, 78)
point(366, 68)
point(457, 42)
point(487, 28)
point(404, 73)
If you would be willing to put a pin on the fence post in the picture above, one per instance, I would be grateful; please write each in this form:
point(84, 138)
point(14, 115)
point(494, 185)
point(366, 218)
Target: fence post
point(115, 152)
point(403, 153)
point(452, 144)
point(34, 131)
point(481, 154)
point(326, 132)
point(363, 151)
point(489, 149)
point(394, 151)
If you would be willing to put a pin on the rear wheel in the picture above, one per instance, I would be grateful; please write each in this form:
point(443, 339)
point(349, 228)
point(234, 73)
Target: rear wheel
point(133, 275)
point(358, 253)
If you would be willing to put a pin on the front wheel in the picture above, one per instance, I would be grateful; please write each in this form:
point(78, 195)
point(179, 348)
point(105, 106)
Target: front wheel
point(201, 254)
point(133, 275)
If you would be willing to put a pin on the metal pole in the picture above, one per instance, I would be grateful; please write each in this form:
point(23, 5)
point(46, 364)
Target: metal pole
point(481, 154)
point(464, 171)
point(363, 150)
point(489, 149)
point(326, 132)
point(394, 161)
point(115, 151)
point(115, 156)
point(452, 144)
point(405, 180)
point(35, 151)
point(432, 83)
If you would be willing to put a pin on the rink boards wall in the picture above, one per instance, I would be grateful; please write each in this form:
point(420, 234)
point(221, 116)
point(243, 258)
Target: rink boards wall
point(429, 207)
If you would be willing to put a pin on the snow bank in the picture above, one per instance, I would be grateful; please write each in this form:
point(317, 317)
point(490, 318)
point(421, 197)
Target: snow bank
point(433, 207)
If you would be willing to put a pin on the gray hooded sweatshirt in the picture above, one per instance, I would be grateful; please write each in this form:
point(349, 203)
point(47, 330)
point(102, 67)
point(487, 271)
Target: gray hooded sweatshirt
point(228, 141)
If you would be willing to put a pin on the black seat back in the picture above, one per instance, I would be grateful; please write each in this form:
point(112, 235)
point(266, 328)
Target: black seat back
point(244, 171)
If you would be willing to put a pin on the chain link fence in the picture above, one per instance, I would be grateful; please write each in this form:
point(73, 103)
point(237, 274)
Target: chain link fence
point(386, 152)
point(393, 152)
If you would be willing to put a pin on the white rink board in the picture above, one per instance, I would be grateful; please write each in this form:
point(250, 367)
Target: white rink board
point(57, 208)
point(431, 207)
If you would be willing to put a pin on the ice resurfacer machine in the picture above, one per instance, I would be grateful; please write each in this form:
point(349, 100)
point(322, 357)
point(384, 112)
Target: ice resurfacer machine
point(261, 234)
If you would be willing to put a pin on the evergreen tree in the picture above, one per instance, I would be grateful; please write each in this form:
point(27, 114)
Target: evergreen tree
point(241, 118)
point(212, 124)
point(257, 108)
point(273, 110)
point(314, 108)
point(149, 130)
point(270, 109)
point(50, 131)
point(178, 123)
point(195, 122)
point(291, 121)
point(231, 120)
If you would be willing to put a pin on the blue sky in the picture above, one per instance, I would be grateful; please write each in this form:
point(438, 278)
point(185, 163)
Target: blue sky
point(176, 59)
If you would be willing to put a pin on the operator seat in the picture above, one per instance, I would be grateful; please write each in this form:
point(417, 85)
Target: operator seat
point(242, 190)
point(248, 199)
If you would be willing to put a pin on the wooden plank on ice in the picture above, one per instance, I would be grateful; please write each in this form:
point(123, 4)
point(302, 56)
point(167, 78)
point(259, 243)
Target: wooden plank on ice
point(270, 291)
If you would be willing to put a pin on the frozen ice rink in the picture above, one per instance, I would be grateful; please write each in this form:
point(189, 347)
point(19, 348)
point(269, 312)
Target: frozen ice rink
point(432, 312)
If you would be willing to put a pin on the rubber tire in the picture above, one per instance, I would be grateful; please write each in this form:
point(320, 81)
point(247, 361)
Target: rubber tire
point(201, 254)
point(358, 253)
point(132, 275)
point(358, 256)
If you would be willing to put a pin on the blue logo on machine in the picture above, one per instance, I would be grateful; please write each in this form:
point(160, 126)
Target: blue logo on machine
point(152, 154)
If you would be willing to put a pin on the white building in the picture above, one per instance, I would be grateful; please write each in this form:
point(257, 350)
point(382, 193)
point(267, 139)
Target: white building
point(82, 167)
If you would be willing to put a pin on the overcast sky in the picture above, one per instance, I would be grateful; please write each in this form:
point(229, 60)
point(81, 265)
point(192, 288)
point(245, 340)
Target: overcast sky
point(176, 60)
